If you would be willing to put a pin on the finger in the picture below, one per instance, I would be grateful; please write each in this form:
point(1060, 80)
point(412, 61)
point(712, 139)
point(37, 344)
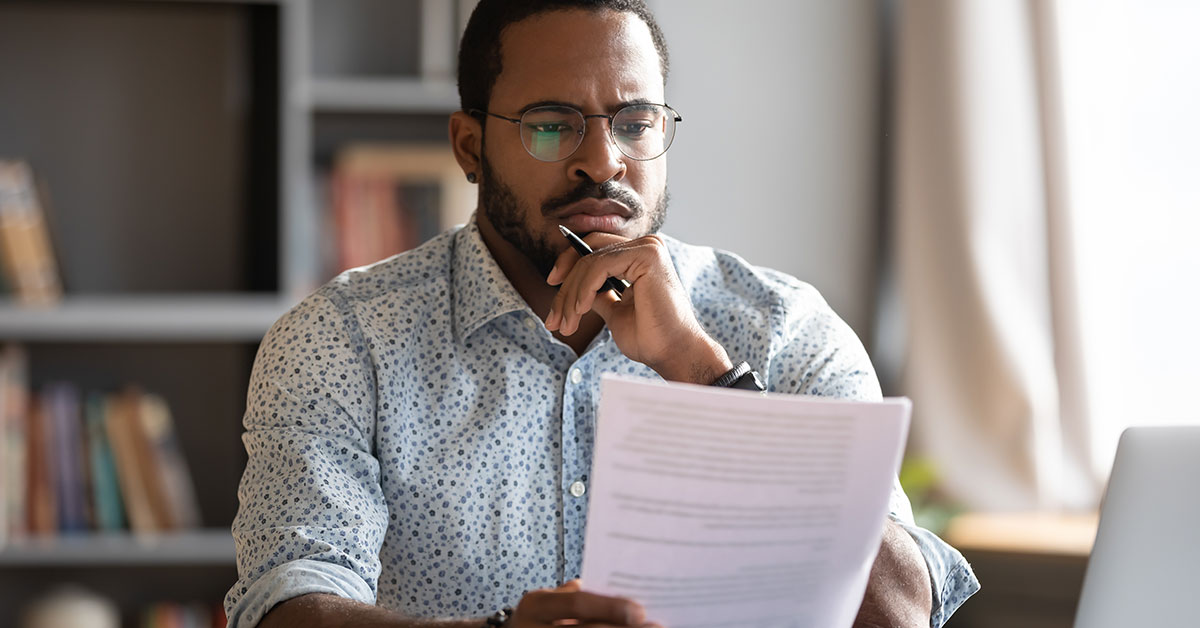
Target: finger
point(558, 309)
point(606, 303)
point(599, 239)
point(587, 608)
point(568, 297)
point(570, 586)
point(562, 266)
point(628, 261)
point(567, 259)
point(581, 285)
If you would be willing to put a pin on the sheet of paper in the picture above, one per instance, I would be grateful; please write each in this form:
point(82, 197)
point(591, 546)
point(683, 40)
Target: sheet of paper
point(717, 508)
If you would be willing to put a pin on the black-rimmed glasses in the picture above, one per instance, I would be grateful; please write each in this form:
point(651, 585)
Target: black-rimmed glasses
point(554, 132)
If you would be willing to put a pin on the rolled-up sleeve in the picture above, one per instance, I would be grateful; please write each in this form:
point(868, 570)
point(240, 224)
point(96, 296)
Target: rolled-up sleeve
point(312, 516)
point(822, 356)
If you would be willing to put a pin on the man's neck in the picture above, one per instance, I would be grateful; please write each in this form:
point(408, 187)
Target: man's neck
point(532, 286)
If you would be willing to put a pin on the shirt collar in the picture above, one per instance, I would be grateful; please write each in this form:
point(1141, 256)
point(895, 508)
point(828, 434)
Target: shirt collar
point(481, 290)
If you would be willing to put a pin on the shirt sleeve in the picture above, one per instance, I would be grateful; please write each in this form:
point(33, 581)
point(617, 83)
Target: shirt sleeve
point(821, 355)
point(312, 516)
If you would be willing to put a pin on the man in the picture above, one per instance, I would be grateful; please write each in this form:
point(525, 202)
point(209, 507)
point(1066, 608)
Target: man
point(419, 431)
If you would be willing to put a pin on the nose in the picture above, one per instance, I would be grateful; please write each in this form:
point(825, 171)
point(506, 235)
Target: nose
point(598, 157)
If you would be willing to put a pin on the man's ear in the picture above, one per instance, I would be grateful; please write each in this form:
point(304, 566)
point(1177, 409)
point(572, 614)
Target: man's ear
point(466, 139)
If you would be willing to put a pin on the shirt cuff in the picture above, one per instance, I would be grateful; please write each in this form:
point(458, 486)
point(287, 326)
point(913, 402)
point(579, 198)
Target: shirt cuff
point(293, 579)
point(950, 577)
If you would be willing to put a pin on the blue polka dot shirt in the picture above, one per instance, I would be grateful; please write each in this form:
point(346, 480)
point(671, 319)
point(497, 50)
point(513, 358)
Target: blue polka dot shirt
point(414, 431)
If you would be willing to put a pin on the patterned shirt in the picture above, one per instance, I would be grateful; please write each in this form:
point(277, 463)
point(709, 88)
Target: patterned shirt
point(418, 440)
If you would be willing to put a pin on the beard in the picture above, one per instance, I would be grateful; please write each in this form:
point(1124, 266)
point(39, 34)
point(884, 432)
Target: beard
point(502, 209)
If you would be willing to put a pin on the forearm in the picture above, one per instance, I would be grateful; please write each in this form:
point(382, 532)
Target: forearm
point(318, 610)
point(899, 593)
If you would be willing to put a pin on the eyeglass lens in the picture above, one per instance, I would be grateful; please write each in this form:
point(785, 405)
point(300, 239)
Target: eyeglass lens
point(641, 131)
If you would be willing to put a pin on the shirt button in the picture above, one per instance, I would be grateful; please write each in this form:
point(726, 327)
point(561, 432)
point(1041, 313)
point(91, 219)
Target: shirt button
point(578, 488)
point(529, 322)
point(576, 377)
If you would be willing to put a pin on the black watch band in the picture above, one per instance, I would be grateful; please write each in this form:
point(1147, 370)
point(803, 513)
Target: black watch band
point(741, 376)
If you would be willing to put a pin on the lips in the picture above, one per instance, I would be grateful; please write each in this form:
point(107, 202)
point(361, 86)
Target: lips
point(594, 214)
point(594, 207)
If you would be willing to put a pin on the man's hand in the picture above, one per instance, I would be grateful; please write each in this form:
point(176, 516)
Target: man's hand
point(570, 605)
point(652, 322)
point(899, 593)
point(567, 605)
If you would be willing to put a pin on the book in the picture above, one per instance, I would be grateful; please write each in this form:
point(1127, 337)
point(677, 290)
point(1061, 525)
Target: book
point(134, 470)
point(178, 492)
point(107, 504)
point(13, 459)
point(40, 500)
point(61, 401)
point(26, 257)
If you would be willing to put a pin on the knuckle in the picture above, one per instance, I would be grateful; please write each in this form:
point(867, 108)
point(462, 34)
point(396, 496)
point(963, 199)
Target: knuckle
point(655, 239)
point(576, 606)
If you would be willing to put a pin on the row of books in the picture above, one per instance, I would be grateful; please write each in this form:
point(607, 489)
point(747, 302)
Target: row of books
point(382, 199)
point(28, 268)
point(174, 615)
point(79, 462)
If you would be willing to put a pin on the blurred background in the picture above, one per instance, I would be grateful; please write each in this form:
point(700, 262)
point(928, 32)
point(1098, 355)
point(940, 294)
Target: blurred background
point(998, 196)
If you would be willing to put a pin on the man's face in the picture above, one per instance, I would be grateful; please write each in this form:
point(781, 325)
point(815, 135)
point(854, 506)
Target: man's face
point(596, 62)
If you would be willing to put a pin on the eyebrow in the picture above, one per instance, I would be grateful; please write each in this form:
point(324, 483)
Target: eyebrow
point(563, 103)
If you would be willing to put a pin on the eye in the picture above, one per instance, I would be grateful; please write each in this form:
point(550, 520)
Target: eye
point(633, 129)
point(545, 128)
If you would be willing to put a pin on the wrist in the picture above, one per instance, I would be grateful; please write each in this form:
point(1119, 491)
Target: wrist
point(702, 363)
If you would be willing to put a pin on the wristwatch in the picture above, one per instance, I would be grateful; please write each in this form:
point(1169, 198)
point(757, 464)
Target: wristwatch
point(499, 619)
point(740, 376)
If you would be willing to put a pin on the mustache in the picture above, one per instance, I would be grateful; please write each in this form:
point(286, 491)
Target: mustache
point(590, 189)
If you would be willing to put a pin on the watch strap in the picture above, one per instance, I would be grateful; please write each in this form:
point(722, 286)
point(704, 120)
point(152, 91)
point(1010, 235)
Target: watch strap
point(741, 376)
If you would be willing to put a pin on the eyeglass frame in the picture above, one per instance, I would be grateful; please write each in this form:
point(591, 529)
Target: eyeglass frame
point(675, 114)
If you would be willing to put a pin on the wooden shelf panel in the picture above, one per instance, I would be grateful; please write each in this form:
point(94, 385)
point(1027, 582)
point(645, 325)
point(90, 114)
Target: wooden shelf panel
point(1047, 533)
point(230, 318)
point(399, 95)
point(199, 547)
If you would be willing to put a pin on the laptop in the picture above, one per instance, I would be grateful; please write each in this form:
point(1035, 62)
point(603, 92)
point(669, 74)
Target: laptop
point(1145, 565)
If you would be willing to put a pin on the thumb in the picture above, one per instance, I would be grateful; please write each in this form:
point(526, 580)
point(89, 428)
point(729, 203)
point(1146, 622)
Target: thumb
point(570, 586)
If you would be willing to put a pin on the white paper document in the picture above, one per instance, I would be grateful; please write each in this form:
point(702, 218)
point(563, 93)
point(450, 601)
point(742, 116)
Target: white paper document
point(717, 508)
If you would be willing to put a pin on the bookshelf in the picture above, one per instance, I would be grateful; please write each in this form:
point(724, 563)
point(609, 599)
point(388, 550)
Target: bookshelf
point(145, 318)
point(185, 146)
point(189, 548)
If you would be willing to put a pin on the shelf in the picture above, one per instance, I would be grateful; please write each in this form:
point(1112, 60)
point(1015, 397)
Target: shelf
point(143, 318)
point(401, 95)
point(200, 547)
point(1046, 533)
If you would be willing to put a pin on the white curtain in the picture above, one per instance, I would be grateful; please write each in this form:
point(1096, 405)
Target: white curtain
point(982, 253)
point(1046, 249)
point(1131, 93)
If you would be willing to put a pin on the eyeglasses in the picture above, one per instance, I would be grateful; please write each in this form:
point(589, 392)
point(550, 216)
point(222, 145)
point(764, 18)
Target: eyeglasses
point(554, 132)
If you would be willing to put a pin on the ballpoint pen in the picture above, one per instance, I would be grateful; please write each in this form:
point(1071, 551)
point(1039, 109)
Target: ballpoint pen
point(581, 247)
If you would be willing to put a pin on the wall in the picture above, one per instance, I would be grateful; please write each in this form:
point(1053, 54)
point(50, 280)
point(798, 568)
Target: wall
point(777, 157)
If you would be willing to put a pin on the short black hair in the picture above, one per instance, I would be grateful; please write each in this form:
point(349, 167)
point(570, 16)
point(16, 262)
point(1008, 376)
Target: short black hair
point(479, 52)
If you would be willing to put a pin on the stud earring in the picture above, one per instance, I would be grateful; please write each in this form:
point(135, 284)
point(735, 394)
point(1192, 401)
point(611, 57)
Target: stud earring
point(470, 177)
